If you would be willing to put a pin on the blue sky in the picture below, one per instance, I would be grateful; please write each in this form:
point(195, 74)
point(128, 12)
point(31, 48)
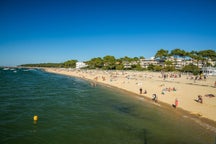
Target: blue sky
point(37, 31)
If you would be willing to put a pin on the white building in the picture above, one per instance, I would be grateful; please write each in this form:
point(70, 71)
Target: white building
point(209, 71)
point(80, 65)
point(146, 62)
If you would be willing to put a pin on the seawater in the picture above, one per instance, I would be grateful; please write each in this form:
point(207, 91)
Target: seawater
point(71, 111)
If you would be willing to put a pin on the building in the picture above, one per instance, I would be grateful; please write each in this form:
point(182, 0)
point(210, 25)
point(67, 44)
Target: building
point(127, 65)
point(211, 62)
point(209, 71)
point(146, 62)
point(80, 65)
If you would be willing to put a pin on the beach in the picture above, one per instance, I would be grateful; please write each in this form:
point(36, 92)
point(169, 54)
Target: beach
point(174, 86)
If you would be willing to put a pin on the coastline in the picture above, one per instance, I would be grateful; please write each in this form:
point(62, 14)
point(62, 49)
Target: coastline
point(186, 91)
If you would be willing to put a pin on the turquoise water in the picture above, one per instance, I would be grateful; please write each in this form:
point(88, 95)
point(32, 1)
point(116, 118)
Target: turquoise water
point(71, 111)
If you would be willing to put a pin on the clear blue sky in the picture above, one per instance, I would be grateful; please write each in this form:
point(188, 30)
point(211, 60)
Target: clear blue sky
point(37, 31)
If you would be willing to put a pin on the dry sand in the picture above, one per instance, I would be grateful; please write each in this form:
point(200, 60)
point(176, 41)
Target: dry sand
point(187, 89)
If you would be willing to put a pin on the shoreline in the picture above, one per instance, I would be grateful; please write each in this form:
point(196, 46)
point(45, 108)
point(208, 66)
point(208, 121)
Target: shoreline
point(118, 79)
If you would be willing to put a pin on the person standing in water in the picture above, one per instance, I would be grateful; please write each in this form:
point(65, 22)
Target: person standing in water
point(155, 98)
point(176, 102)
point(140, 90)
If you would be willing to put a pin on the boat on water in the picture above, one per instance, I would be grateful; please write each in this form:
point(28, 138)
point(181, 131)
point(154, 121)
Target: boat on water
point(6, 68)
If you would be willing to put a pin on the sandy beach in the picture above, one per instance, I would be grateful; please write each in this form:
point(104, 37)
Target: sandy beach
point(184, 88)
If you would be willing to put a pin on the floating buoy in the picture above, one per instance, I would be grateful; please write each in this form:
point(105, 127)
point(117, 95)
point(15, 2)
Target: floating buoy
point(35, 118)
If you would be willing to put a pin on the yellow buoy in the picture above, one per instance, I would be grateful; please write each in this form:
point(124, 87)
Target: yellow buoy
point(35, 118)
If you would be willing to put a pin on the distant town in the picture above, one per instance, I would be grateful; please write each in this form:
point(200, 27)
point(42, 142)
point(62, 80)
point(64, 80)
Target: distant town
point(176, 60)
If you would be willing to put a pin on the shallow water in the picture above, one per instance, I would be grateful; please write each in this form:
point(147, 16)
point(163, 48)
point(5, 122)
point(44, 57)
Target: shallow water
point(71, 111)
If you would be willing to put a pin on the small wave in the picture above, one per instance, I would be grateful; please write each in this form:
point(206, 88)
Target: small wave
point(203, 124)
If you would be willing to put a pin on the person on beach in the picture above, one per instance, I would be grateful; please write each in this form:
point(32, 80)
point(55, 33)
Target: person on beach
point(140, 90)
point(155, 98)
point(200, 100)
point(164, 76)
point(145, 92)
point(215, 84)
point(204, 77)
point(93, 84)
point(176, 103)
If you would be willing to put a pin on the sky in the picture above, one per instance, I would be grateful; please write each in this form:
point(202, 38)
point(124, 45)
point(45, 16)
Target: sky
point(42, 31)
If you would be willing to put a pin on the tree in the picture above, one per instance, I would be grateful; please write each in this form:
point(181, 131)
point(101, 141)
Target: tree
point(57, 65)
point(136, 67)
point(168, 63)
point(195, 56)
point(109, 62)
point(183, 55)
point(150, 67)
point(95, 63)
point(70, 64)
point(206, 55)
point(142, 57)
point(162, 54)
point(158, 68)
point(120, 67)
point(168, 66)
point(126, 59)
point(178, 53)
point(191, 68)
point(136, 59)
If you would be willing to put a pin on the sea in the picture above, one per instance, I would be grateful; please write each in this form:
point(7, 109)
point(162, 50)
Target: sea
point(71, 111)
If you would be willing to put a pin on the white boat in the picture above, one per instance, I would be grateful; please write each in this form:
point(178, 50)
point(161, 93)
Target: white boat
point(6, 68)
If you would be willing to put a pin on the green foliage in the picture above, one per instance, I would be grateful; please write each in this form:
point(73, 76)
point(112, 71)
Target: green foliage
point(109, 62)
point(57, 65)
point(136, 67)
point(158, 68)
point(196, 56)
point(136, 59)
point(162, 54)
point(178, 53)
point(152, 67)
point(126, 59)
point(191, 68)
point(203, 56)
point(70, 64)
point(169, 68)
point(208, 54)
point(67, 64)
point(120, 67)
point(168, 63)
point(95, 63)
point(142, 57)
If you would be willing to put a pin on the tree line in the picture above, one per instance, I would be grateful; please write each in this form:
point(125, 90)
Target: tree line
point(204, 55)
point(67, 64)
point(126, 63)
point(199, 57)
